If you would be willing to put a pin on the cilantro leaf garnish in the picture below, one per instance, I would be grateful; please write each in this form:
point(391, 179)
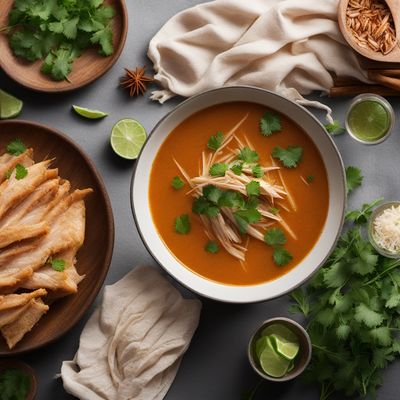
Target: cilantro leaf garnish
point(237, 167)
point(289, 157)
point(16, 147)
point(270, 123)
point(361, 216)
point(14, 384)
point(214, 143)
point(253, 188)
point(212, 193)
point(202, 205)
point(248, 156)
point(182, 224)
point(177, 183)
point(335, 128)
point(245, 217)
point(353, 178)
point(20, 172)
point(57, 264)
point(231, 199)
point(275, 237)
point(310, 178)
point(218, 169)
point(212, 247)
point(281, 256)
point(257, 171)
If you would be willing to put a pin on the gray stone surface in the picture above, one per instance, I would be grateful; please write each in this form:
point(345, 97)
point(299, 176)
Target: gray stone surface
point(215, 366)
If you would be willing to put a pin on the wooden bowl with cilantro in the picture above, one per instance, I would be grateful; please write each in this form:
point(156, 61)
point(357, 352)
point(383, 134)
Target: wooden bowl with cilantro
point(57, 46)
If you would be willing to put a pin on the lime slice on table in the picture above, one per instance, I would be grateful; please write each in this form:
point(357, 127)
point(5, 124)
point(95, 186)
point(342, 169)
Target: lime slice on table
point(88, 113)
point(369, 120)
point(285, 348)
point(272, 363)
point(127, 138)
point(10, 106)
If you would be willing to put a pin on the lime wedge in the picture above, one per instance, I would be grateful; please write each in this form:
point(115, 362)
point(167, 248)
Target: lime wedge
point(261, 344)
point(88, 113)
point(272, 363)
point(10, 106)
point(291, 366)
point(280, 330)
point(127, 138)
point(285, 348)
point(369, 120)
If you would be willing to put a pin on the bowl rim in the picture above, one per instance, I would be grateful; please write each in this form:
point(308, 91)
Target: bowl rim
point(289, 376)
point(114, 58)
point(110, 248)
point(153, 255)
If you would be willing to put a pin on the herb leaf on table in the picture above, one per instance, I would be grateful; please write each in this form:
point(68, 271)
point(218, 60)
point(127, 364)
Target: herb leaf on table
point(353, 178)
point(335, 128)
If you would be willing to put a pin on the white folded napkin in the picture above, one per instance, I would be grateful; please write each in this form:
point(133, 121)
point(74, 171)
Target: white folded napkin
point(132, 345)
point(287, 46)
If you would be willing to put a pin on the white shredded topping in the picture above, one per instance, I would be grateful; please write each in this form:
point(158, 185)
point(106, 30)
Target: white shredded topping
point(387, 229)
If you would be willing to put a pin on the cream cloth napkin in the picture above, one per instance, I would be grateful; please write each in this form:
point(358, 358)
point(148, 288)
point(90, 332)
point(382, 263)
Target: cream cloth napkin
point(132, 345)
point(287, 46)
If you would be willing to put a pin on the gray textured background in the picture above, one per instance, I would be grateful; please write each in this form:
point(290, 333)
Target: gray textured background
point(215, 366)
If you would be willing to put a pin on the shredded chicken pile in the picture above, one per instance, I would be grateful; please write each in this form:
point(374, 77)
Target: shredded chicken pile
point(273, 192)
point(40, 220)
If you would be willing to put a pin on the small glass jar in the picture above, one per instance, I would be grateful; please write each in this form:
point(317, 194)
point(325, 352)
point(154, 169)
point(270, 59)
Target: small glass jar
point(373, 98)
point(371, 228)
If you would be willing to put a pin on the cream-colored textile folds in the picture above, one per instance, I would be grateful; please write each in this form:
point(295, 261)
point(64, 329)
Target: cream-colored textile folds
point(287, 46)
point(132, 345)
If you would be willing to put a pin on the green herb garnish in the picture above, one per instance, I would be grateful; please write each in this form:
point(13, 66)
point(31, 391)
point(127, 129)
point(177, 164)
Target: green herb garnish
point(58, 31)
point(237, 167)
point(177, 183)
point(310, 178)
point(275, 237)
point(245, 217)
point(270, 123)
point(57, 264)
point(335, 128)
point(353, 178)
point(248, 156)
point(281, 256)
point(289, 157)
point(361, 216)
point(182, 224)
point(218, 169)
point(14, 385)
point(20, 172)
point(231, 199)
point(212, 247)
point(257, 171)
point(16, 147)
point(253, 188)
point(214, 143)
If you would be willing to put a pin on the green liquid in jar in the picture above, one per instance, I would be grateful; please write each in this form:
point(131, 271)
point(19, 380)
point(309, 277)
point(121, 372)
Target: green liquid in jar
point(369, 120)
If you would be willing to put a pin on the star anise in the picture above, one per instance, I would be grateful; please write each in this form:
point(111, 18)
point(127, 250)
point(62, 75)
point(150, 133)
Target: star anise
point(136, 81)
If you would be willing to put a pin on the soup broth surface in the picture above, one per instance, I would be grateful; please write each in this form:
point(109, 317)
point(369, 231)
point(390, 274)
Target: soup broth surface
point(186, 144)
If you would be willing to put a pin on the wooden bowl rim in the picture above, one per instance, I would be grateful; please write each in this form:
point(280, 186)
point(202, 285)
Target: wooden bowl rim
point(74, 86)
point(110, 246)
point(367, 53)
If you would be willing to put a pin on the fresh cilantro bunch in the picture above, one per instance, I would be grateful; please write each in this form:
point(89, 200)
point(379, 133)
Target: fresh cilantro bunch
point(57, 31)
point(14, 384)
point(352, 306)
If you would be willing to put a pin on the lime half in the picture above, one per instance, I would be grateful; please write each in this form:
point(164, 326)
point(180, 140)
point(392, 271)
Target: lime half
point(127, 138)
point(285, 348)
point(272, 363)
point(369, 120)
point(88, 113)
point(10, 106)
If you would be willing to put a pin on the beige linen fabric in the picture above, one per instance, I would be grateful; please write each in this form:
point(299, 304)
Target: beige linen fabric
point(132, 345)
point(287, 46)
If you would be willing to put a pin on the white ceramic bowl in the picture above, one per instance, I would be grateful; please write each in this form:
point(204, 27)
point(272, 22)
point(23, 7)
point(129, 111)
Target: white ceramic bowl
point(206, 287)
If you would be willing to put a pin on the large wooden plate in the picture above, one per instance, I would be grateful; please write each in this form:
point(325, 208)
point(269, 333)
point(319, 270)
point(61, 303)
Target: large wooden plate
point(86, 68)
point(94, 257)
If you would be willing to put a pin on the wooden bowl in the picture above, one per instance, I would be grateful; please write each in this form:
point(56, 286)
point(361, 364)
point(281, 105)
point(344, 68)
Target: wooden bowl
point(11, 363)
point(85, 69)
point(94, 257)
point(392, 56)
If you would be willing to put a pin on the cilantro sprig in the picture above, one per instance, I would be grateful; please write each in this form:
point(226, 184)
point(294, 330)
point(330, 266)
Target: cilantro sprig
point(353, 178)
point(177, 183)
point(270, 123)
point(16, 147)
point(182, 224)
point(276, 238)
point(214, 143)
point(211, 247)
point(14, 384)
point(58, 31)
point(335, 128)
point(289, 157)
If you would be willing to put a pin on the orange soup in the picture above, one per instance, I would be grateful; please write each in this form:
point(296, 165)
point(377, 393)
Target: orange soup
point(257, 196)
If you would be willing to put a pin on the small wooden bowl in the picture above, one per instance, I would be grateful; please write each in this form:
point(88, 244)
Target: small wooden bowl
point(392, 56)
point(16, 364)
point(85, 69)
point(94, 257)
point(302, 359)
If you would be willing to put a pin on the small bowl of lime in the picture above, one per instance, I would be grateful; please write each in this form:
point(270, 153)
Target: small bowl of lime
point(370, 119)
point(279, 350)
